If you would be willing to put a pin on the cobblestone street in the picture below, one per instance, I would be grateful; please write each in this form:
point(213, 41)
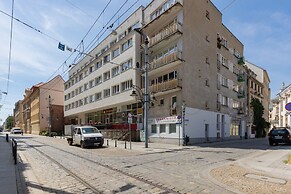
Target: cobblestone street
point(50, 165)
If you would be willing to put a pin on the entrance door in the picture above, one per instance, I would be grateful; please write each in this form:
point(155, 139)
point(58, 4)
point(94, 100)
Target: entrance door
point(206, 132)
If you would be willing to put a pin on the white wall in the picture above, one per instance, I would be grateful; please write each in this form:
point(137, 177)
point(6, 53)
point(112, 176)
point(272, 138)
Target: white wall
point(195, 120)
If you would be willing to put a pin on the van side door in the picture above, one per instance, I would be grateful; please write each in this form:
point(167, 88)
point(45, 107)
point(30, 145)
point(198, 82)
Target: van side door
point(78, 136)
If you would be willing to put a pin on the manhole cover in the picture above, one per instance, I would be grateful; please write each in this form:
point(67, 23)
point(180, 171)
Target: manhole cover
point(231, 159)
point(265, 178)
point(199, 158)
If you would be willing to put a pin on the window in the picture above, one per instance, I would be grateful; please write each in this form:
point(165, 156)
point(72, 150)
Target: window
point(207, 14)
point(76, 104)
point(126, 65)
point(76, 91)
point(121, 36)
point(115, 89)
point(86, 100)
point(106, 93)
point(73, 94)
point(162, 102)
point(81, 76)
point(81, 102)
point(91, 84)
point(91, 69)
point(98, 96)
point(85, 86)
point(98, 65)
point(174, 105)
point(115, 53)
point(224, 101)
point(162, 128)
point(104, 49)
point(126, 45)
point(86, 73)
point(115, 71)
point(173, 75)
point(91, 98)
point(76, 79)
point(224, 82)
point(106, 58)
point(127, 85)
point(106, 76)
point(172, 128)
point(98, 80)
point(112, 43)
point(81, 89)
point(154, 128)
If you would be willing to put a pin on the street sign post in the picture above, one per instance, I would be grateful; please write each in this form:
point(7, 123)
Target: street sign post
point(129, 117)
point(288, 106)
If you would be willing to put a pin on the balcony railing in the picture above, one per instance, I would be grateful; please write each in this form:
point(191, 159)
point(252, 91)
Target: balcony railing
point(241, 61)
point(241, 77)
point(167, 32)
point(241, 94)
point(164, 86)
point(156, 63)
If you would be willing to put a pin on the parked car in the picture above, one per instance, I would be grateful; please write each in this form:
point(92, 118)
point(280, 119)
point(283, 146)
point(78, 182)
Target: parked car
point(16, 130)
point(279, 135)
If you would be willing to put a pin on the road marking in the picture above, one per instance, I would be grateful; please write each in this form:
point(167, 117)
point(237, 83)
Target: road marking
point(265, 178)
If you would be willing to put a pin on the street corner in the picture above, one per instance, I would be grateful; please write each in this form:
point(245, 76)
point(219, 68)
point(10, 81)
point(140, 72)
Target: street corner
point(248, 180)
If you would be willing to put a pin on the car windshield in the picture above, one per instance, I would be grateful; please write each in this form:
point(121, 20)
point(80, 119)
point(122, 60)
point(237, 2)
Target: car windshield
point(90, 130)
point(16, 129)
point(279, 131)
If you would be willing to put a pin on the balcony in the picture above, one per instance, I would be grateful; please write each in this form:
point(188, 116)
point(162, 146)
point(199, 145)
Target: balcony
point(241, 94)
point(162, 18)
point(241, 61)
point(166, 61)
point(176, 28)
point(241, 77)
point(165, 86)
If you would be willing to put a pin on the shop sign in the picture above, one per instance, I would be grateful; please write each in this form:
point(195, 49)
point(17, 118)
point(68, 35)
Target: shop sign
point(165, 120)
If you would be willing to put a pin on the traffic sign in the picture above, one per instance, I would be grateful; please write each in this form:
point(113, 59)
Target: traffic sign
point(288, 106)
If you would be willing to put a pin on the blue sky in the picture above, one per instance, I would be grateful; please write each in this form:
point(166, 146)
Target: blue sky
point(263, 26)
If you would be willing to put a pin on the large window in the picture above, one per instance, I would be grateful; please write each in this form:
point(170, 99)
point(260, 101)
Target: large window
point(172, 128)
point(126, 65)
point(127, 85)
point(115, 89)
point(91, 98)
point(115, 53)
point(106, 58)
point(126, 45)
point(98, 96)
point(91, 84)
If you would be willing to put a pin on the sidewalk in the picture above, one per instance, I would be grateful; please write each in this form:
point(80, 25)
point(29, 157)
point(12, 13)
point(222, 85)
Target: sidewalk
point(7, 167)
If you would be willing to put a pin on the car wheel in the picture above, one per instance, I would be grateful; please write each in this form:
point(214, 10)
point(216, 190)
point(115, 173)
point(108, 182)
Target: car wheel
point(82, 144)
point(100, 145)
point(70, 142)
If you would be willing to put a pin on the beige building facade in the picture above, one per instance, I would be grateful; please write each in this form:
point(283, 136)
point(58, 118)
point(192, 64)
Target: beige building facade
point(34, 112)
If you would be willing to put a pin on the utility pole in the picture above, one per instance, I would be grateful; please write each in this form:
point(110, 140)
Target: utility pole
point(50, 116)
point(146, 94)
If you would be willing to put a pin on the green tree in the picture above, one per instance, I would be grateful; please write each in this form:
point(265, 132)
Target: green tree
point(260, 123)
point(9, 122)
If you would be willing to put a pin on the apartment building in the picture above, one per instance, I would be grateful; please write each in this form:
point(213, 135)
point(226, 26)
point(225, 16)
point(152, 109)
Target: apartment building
point(279, 116)
point(41, 109)
point(99, 86)
point(196, 73)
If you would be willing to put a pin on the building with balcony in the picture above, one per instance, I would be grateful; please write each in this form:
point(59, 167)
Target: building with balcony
point(196, 73)
point(36, 113)
point(279, 115)
point(99, 85)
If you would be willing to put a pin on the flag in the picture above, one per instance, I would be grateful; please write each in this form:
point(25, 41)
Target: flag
point(61, 46)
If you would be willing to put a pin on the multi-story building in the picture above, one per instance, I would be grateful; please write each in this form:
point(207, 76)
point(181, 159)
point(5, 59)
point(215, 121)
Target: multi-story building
point(196, 72)
point(17, 112)
point(99, 86)
point(260, 88)
point(279, 115)
point(42, 107)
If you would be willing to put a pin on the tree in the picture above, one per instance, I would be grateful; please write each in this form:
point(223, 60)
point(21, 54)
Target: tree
point(9, 122)
point(260, 123)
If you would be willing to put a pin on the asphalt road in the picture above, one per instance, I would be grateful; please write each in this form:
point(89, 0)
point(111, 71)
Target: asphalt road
point(50, 165)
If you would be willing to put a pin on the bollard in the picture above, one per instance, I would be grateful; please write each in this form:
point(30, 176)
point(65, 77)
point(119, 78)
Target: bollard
point(6, 137)
point(107, 143)
point(115, 143)
point(125, 145)
point(14, 150)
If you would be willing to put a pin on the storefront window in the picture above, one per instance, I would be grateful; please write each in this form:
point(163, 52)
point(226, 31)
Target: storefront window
point(162, 128)
point(154, 128)
point(172, 128)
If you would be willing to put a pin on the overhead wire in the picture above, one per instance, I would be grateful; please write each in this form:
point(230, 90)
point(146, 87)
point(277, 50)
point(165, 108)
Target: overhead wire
point(227, 6)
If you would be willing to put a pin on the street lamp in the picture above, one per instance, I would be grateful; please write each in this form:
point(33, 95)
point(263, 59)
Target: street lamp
point(146, 85)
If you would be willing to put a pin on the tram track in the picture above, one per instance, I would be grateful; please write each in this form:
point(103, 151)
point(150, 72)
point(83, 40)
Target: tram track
point(150, 182)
